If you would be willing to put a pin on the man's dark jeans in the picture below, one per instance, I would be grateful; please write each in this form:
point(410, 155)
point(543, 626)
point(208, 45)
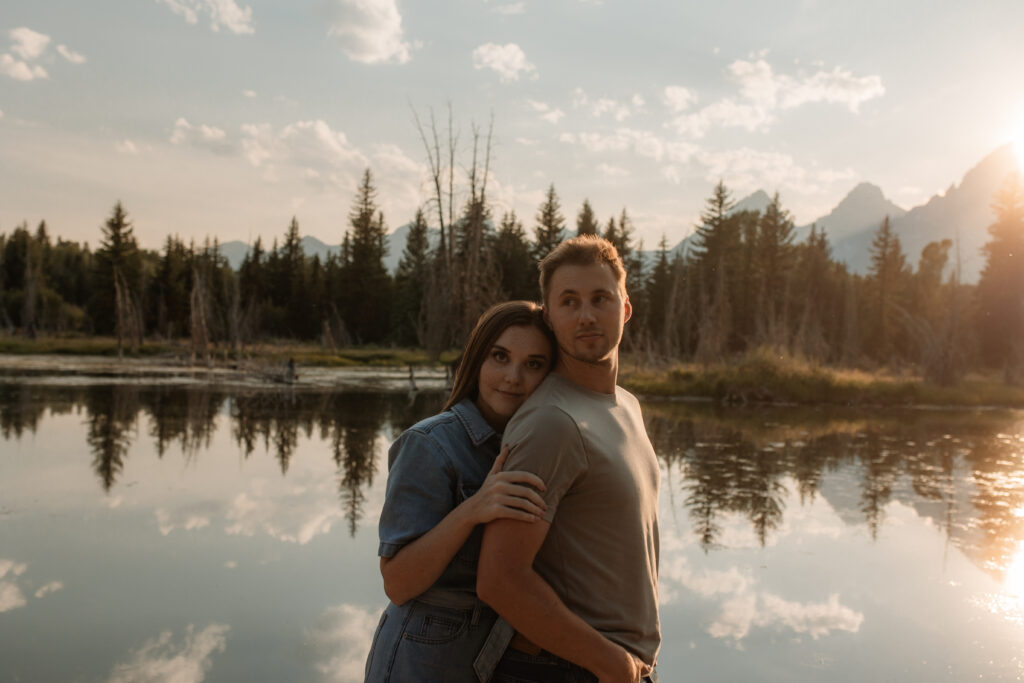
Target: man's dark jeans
point(519, 667)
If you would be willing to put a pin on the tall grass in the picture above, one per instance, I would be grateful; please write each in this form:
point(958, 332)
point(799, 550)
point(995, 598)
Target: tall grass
point(766, 375)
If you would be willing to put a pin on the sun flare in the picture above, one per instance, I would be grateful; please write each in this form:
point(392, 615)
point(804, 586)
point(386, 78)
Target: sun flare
point(1018, 146)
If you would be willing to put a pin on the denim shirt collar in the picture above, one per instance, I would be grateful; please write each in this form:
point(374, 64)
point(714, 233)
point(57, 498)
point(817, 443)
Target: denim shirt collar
point(474, 423)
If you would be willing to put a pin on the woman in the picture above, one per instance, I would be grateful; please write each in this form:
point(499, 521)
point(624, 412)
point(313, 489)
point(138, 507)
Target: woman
point(444, 483)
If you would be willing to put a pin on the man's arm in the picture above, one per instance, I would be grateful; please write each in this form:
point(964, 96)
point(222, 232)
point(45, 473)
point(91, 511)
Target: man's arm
point(507, 582)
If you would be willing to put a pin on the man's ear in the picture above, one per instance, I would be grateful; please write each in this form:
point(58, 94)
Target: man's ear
point(628, 307)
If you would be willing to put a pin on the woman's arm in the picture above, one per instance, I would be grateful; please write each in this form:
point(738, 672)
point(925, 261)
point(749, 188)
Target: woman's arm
point(416, 567)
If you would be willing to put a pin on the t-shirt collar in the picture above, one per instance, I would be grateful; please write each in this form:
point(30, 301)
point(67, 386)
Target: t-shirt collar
point(476, 426)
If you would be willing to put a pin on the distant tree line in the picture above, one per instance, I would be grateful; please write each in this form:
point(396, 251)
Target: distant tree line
point(743, 282)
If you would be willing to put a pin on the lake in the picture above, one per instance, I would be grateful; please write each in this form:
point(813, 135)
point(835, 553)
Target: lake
point(181, 531)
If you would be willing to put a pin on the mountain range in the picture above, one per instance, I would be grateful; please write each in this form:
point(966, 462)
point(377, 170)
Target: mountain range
point(962, 213)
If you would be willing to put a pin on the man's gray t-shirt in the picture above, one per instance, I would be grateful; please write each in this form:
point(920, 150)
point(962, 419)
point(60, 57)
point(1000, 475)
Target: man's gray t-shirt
point(601, 552)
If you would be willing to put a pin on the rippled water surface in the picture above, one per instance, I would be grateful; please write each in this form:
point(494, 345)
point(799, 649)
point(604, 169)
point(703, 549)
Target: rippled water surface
point(188, 533)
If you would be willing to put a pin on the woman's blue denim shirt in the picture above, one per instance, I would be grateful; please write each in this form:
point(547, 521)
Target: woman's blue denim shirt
point(432, 467)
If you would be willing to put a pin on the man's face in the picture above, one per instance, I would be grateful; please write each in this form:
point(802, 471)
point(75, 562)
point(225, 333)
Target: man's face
point(587, 311)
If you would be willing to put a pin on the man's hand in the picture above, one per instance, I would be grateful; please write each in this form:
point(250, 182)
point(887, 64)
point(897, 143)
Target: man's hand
point(629, 669)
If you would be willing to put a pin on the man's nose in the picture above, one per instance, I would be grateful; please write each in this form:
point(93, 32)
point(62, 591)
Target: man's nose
point(587, 313)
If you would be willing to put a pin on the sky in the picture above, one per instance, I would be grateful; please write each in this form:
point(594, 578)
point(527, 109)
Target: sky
point(228, 117)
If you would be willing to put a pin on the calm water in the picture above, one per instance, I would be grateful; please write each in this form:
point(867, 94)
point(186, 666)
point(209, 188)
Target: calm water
point(158, 533)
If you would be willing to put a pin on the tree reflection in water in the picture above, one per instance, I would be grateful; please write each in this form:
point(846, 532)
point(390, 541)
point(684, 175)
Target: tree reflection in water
point(964, 470)
point(745, 462)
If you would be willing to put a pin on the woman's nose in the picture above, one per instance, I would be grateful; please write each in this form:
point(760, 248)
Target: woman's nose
point(514, 373)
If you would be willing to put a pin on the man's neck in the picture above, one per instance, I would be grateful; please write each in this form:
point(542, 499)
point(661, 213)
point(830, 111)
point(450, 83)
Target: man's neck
point(600, 376)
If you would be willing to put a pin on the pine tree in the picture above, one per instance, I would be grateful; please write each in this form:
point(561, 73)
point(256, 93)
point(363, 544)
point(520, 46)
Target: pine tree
point(511, 251)
point(368, 311)
point(659, 287)
point(411, 281)
point(549, 232)
point(775, 259)
point(116, 261)
point(1000, 293)
point(887, 278)
point(586, 221)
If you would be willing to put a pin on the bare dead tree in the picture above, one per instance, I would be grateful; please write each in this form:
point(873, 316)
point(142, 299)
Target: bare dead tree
point(129, 322)
point(462, 280)
point(200, 336)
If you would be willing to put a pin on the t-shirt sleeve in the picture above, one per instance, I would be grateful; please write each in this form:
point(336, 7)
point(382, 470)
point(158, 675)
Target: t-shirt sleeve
point(419, 491)
point(547, 442)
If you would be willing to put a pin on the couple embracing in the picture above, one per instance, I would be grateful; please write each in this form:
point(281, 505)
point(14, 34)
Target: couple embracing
point(519, 534)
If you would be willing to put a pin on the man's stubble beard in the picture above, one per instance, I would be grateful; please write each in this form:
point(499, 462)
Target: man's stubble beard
point(597, 357)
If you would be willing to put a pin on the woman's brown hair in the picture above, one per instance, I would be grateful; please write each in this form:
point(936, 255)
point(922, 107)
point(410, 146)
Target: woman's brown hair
point(488, 328)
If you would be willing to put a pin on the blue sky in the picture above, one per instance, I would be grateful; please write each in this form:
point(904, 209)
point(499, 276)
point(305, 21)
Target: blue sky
point(228, 117)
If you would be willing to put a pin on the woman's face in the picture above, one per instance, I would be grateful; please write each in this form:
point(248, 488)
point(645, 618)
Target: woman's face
point(515, 364)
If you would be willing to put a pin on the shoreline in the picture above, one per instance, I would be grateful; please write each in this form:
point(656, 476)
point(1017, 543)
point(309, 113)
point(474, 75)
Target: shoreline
point(756, 379)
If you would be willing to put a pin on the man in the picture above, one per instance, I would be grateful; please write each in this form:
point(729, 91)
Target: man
point(580, 587)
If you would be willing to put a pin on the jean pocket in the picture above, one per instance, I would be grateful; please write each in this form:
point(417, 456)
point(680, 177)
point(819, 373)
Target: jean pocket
point(436, 625)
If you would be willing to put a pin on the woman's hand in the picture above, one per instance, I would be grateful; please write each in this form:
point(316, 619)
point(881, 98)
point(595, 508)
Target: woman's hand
point(509, 495)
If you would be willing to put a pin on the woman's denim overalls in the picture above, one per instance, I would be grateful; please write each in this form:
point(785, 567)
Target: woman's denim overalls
point(446, 633)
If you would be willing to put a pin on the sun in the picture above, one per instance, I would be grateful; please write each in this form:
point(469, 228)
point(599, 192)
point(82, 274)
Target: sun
point(1018, 146)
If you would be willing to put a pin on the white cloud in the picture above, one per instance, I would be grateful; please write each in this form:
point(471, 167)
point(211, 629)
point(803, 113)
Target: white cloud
point(11, 596)
point(510, 8)
point(816, 618)
point(70, 55)
point(637, 101)
point(759, 84)
point(546, 112)
point(249, 93)
point(370, 31)
point(224, 14)
point(126, 147)
point(764, 92)
point(749, 610)
point(184, 8)
point(340, 641)
point(579, 98)
point(641, 142)
point(612, 171)
point(679, 98)
point(508, 61)
point(20, 71)
point(295, 517)
point(51, 587)
point(202, 136)
point(28, 44)
point(160, 660)
point(747, 169)
point(607, 105)
point(186, 518)
point(726, 113)
point(1, 113)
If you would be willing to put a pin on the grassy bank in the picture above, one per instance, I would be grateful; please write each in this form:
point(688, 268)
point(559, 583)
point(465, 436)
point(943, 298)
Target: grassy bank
point(765, 377)
point(759, 376)
point(271, 352)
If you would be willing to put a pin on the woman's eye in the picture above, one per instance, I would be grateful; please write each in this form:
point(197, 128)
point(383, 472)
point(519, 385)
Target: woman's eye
point(499, 356)
point(536, 364)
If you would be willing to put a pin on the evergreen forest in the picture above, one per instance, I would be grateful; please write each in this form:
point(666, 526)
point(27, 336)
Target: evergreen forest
point(743, 282)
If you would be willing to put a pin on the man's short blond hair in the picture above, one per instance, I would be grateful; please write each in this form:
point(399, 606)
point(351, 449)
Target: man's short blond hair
point(584, 250)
